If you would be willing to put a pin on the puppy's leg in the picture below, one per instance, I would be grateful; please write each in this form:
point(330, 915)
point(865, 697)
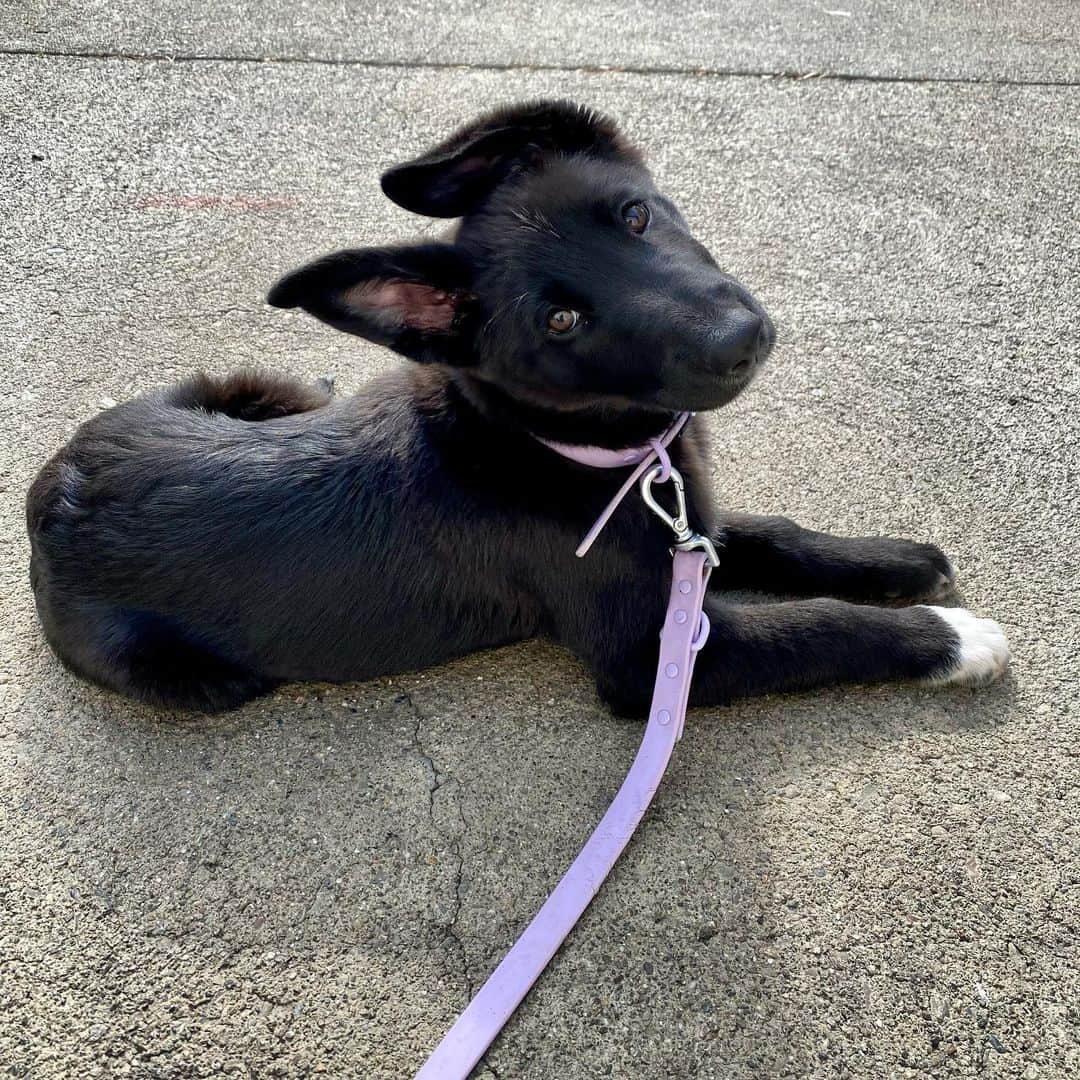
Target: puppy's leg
point(766, 648)
point(146, 657)
point(772, 648)
point(773, 554)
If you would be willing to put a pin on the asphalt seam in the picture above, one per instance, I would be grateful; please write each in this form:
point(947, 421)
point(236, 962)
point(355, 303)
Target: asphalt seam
point(568, 69)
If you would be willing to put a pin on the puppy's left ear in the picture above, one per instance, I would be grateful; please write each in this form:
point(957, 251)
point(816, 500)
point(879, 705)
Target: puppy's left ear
point(455, 177)
point(414, 299)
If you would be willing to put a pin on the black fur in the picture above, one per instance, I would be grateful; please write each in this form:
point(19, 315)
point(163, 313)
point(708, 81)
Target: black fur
point(196, 546)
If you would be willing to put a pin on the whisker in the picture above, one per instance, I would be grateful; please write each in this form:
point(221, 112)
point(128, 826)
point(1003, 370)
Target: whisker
point(535, 221)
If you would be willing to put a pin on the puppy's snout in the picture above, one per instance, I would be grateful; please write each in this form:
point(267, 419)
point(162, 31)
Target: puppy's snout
point(738, 337)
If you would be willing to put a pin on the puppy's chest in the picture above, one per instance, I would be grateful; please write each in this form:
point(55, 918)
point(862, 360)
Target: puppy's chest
point(521, 514)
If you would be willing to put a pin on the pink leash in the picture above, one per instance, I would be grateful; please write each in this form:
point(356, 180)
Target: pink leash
point(684, 632)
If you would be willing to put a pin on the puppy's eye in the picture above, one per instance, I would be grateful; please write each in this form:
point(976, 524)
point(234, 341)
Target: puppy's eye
point(636, 216)
point(562, 320)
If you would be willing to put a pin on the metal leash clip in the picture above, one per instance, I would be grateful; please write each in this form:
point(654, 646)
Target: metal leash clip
point(685, 538)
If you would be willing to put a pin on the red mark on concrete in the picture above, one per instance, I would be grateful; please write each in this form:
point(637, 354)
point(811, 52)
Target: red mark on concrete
point(240, 203)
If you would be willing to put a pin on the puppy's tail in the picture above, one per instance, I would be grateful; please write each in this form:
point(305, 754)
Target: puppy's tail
point(250, 394)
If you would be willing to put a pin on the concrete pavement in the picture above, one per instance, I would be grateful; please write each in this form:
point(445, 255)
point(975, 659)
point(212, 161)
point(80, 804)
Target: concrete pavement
point(992, 39)
point(857, 883)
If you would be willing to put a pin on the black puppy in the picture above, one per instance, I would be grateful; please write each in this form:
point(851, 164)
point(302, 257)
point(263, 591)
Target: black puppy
point(197, 546)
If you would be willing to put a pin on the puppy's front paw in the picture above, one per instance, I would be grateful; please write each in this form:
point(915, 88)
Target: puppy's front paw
point(981, 651)
point(910, 571)
point(881, 569)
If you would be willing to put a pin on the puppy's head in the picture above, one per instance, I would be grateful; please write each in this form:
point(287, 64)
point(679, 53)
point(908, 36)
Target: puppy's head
point(571, 282)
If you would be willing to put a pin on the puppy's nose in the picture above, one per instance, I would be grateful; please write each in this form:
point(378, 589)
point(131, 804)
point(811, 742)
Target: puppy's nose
point(736, 341)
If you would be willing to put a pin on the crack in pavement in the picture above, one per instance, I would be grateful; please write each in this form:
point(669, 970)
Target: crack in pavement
point(570, 69)
point(440, 780)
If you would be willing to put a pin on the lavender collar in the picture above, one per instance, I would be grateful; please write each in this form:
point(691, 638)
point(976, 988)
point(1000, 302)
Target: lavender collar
point(600, 458)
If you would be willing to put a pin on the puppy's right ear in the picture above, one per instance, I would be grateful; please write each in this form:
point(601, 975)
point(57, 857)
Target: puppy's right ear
point(415, 299)
point(455, 177)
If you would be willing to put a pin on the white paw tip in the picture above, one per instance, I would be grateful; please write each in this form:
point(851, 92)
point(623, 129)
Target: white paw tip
point(982, 652)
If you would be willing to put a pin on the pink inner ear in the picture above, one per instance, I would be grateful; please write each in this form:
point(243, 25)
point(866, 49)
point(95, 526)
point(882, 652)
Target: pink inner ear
point(404, 303)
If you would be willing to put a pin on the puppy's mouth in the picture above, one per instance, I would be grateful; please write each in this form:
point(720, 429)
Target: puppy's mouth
point(701, 390)
point(730, 386)
point(714, 395)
